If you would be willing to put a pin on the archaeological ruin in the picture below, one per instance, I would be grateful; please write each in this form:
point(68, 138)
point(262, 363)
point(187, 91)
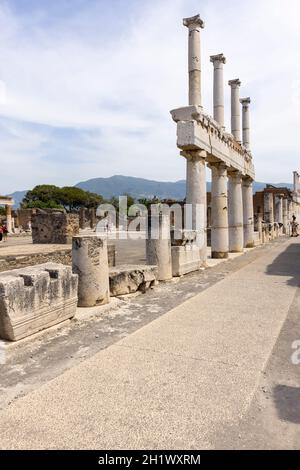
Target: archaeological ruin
point(40, 287)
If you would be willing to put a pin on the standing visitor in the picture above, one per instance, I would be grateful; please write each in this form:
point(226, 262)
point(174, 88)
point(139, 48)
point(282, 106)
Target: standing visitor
point(294, 227)
point(5, 232)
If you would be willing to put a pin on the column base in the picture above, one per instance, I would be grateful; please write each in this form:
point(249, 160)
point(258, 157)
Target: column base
point(250, 245)
point(237, 251)
point(219, 254)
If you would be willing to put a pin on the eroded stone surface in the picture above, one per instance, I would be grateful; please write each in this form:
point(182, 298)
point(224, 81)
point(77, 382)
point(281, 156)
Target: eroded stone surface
point(55, 227)
point(90, 262)
point(35, 298)
point(127, 279)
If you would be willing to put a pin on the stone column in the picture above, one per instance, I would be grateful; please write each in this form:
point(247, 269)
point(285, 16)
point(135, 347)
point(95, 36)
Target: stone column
point(246, 122)
point(82, 217)
point(158, 245)
point(269, 210)
point(260, 227)
point(196, 197)
point(285, 215)
point(248, 213)
point(194, 24)
point(90, 262)
point(219, 212)
point(8, 219)
point(296, 180)
point(93, 218)
point(218, 62)
point(235, 109)
point(235, 212)
point(279, 208)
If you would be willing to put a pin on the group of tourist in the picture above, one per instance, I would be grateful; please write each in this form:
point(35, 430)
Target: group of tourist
point(3, 233)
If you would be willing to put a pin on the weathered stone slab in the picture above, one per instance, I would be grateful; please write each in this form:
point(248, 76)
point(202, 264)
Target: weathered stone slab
point(34, 298)
point(127, 279)
point(185, 259)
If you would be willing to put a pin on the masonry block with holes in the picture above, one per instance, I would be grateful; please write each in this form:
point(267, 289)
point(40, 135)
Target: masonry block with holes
point(35, 298)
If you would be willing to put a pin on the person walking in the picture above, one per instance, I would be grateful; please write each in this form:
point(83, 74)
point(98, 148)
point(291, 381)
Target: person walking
point(1, 233)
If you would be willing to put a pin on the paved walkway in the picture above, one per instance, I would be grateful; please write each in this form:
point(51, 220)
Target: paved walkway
point(173, 383)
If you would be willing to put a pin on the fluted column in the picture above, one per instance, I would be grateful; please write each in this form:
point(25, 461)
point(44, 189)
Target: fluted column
point(235, 109)
point(196, 196)
point(246, 122)
point(194, 24)
point(218, 61)
point(235, 212)
point(219, 211)
point(248, 215)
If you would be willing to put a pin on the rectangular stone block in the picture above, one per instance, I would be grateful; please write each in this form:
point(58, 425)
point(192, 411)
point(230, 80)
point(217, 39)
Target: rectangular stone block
point(35, 298)
point(54, 227)
point(185, 259)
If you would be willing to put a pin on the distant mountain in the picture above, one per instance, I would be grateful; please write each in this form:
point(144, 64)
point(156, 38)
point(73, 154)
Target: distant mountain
point(136, 187)
point(139, 187)
point(119, 185)
point(18, 197)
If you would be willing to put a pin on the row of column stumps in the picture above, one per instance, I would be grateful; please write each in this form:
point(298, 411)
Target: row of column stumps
point(232, 207)
point(278, 212)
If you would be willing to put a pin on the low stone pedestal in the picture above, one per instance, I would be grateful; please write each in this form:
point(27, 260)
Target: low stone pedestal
point(185, 259)
point(35, 298)
point(185, 252)
point(128, 279)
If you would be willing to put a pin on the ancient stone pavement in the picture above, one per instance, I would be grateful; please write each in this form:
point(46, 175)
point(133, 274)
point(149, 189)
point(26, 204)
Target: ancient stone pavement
point(215, 371)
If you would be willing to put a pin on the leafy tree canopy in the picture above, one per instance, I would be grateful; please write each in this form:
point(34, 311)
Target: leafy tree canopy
point(52, 197)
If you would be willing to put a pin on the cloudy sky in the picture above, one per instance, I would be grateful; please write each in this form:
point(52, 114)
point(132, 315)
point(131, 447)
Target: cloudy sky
point(86, 86)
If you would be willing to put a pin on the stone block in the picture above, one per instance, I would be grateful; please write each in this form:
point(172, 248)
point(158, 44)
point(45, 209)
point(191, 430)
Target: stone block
point(127, 279)
point(55, 227)
point(35, 298)
point(185, 259)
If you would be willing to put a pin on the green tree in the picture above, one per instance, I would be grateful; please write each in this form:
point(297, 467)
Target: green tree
point(42, 196)
point(68, 197)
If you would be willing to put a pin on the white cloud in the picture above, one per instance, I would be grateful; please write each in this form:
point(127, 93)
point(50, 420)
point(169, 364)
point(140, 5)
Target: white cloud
point(113, 79)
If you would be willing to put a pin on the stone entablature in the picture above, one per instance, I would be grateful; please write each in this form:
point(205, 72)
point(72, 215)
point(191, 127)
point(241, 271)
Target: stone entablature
point(6, 201)
point(35, 298)
point(197, 130)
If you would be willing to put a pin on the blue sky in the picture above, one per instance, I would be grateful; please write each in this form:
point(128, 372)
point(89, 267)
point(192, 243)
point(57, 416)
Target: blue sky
point(86, 86)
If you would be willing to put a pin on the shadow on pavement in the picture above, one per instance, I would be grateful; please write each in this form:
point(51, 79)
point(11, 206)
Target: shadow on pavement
point(287, 401)
point(287, 264)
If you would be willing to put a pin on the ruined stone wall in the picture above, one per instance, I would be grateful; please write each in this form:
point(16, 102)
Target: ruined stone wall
point(60, 256)
point(56, 227)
